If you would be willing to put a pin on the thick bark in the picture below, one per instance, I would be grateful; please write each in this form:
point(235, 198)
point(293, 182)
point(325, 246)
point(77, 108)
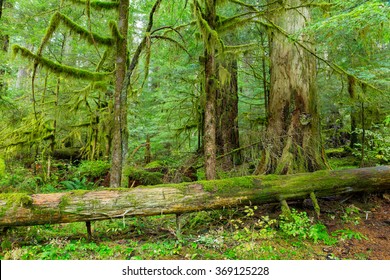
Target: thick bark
point(293, 141)
point(227, 135)
point(120, 73)
point(77, 206)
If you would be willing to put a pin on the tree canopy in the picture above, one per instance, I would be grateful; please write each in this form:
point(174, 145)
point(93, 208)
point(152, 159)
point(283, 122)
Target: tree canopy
point(186, 65)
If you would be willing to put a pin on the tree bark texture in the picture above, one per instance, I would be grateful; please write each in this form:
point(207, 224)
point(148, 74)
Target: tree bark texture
point(120, 73)
point(210, 74)
point(227, 135)
point(18, 209)
point(292, 141)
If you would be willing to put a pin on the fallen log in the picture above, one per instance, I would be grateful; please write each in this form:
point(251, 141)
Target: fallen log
point(19, 209)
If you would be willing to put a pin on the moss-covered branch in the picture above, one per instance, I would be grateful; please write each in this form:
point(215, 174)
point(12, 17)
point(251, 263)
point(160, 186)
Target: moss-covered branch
point(77, 206)
point(59, 68)
point(90, 37)
point(98, 5)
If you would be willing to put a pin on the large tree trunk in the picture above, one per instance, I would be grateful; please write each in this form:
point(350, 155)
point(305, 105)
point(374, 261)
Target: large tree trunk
point(120, 73)
point(76, 206)
point(227, 135)
point(293, 142)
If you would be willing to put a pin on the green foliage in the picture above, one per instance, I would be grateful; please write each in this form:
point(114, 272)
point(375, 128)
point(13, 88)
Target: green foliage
point(77, 184)
point(376, 146)
point(2, 167)
point(300, 225)
point(297, 225)
point(143, 176)
point(351, 215)
point(348, 234)
point(93, 168)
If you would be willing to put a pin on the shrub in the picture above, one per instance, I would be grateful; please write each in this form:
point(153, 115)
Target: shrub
point(93, 169)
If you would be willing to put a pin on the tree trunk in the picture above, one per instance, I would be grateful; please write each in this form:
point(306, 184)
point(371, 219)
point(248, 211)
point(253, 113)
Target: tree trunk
point(77, 206)
point(120, 73)
point(210, 72)
point(293, 140)
point(227, 135)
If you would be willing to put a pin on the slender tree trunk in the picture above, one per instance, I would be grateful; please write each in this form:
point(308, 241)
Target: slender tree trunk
point(210, 70)
point(4, 44)
point(293, 140)
point(121, 58)
point(354, 112)
point(227, 135)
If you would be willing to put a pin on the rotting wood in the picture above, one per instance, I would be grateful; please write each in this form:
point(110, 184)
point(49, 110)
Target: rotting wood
point(18, 209)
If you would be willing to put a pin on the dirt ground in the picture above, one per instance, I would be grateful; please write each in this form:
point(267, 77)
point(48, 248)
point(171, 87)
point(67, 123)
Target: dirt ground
point(373, 214)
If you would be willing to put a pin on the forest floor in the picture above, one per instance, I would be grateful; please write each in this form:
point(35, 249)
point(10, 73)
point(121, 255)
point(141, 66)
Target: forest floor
point(353, 227)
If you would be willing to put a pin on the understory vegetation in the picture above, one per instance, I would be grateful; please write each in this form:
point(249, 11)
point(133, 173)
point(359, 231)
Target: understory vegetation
point(250, 232)
point(225, 234)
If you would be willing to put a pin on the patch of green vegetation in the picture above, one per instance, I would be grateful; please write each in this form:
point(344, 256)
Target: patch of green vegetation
point(218, 234)
point(348, 234)
point(143, 176)
point(2, 167)
point(349, 162)
point(16, 199)
point(93, 168)
point(155, 164)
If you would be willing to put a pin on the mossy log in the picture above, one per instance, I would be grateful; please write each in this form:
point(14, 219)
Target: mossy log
point(18, 209)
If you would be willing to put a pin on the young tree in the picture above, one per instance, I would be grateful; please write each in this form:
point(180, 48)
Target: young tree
point(120, 113)
point(292, 142)
point(207, 21)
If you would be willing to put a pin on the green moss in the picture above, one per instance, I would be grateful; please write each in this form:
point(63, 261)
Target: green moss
point(98, 5)
point(144, 177)
point(59, 68)
point(155, 164)
point(2, 167)
point(17, 199)
point(315, 203)
point(221, 186)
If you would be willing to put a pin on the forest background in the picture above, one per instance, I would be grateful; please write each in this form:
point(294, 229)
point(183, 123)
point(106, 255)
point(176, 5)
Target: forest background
point(186, 90)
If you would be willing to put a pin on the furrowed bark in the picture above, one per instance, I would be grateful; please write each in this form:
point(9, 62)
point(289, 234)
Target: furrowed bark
point(18, 209)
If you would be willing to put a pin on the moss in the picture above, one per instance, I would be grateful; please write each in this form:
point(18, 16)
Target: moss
point(59, 68)
point(17, 199)
point(155, 164)
point(98, 5)
point(144, 177)
point(2, 167)
point(315, 203)
point(221, 186)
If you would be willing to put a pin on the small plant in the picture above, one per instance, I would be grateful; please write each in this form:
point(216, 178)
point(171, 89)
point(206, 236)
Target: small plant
point(318, 232)
point(348, 234)
point(93, 169)
point(77, 184)
point(351, 215)
point(296, 225)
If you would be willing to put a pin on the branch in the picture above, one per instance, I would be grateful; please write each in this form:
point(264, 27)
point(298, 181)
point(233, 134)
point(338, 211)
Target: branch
point(60, 68)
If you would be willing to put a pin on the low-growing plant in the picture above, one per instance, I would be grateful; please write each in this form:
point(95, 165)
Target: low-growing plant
point(351, 215)
point(347, 234)
point(297, 225)
point(77, 184)
point(93, 169)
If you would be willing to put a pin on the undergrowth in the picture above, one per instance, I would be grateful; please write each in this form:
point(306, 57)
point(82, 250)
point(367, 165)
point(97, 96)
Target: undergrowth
point(223, 234)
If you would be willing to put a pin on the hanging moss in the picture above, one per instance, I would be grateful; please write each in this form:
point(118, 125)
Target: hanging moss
point(59, 68)
point(2, 167)
point(90, 37)
point(98, 5)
